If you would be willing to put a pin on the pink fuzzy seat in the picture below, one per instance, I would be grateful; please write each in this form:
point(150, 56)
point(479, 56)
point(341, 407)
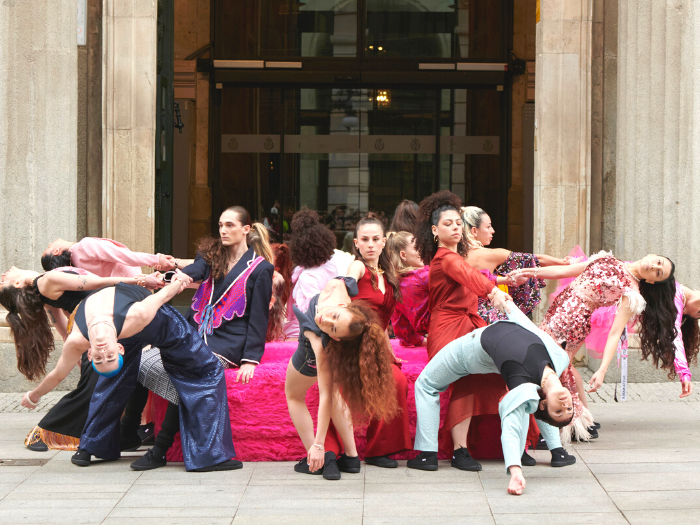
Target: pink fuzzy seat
point(260, 423)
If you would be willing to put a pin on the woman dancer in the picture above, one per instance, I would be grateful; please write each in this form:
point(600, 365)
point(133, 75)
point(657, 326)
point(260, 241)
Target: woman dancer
point(230, 309)
point(26, 295)
point(316, 260)
point(411, 317)
point(343, 348)
point(479, 232)
point(454, 289)
point(644, 288)
point(113, 325)
point(378, 286)
point(405, 217)
point(530, 363)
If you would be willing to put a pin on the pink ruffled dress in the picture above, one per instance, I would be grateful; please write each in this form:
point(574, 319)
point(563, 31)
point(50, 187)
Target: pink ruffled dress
point(411, 318)
point(680, 363)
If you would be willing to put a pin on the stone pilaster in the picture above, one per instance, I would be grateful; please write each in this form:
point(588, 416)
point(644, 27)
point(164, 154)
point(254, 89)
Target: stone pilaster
point(658, 145)
point(129, 121)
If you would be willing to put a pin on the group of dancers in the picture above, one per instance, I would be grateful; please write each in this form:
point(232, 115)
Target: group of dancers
point(430, 281)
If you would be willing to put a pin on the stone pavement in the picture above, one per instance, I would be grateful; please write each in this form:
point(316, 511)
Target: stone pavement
point(642, 470)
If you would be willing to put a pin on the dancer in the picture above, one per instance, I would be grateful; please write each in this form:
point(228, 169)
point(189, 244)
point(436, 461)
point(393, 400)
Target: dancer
point(411, 318)
point(479, 232)
point(377, 285)
point(27, 295)
point(112, 325)
point(454, 289)
point(281, 311)
point(230, 309)
point(644, 288)
point(343, 348)
point(316, 260)
point(530, 363)
point(104, 257)
point(405, 217)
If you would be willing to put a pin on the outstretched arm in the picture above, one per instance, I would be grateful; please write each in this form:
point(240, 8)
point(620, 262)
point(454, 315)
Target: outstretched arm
point(105, 250)
point(58, 318)
point(513, 433)
point(334, 293)
point(315, 455)
point(73, 349)
point(622, 317)
point(53, 284)
point(553, 272)
point(143, 312)
point(548, 260)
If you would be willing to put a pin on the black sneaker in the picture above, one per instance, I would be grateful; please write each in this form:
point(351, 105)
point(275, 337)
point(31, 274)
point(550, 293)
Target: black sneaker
point(303, 467)
point(149, 461)
point(462, 460)
point(424, 461)
point(38, 446)
point(330, 467)
point(229, 464)
point(593, 431)
point(382, 461)
point(541, 444)
point(596, 425)
point(146, 434)
point(130, 443)
point(349, 464)
point(81, 458)
point(527, 460)
point(561, 458)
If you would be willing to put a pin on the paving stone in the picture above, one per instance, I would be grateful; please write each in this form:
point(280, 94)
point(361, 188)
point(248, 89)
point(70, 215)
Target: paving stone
point(448, 520)
point(657, 500)
point(294, 519)
point(173, 521)
point(36, 515)
point(162, 512)
point(564, 518)
point(661, 517)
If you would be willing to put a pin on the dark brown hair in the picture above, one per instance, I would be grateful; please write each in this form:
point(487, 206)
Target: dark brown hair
point(312, 244)
point(405, 217)
point(390, 275)
point(361, 365)
point(543, 414)
point(30, 329)
point(214, 252)
point(429, 212)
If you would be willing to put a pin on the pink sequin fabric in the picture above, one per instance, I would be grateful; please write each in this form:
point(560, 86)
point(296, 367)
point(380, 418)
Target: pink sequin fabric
point(603, 283)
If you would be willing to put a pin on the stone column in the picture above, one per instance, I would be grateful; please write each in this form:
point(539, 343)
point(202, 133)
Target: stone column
point(562, 128)
point(562, 119)
point(38, 144)
point(129, 121)
point(658, 145)
point(38, 128)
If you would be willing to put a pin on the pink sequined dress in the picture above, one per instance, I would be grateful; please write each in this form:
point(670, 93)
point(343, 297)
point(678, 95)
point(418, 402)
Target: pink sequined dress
point(603, 283)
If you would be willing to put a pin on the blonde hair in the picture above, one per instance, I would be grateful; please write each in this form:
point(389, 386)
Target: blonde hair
point(471, 218)
point(395, 243)
point(259, 240)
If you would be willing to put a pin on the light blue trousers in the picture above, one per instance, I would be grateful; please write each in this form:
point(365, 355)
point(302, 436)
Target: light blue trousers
point(459, 358)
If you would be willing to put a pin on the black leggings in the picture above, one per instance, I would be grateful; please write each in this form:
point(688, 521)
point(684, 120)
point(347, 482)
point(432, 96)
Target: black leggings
point(132, 419)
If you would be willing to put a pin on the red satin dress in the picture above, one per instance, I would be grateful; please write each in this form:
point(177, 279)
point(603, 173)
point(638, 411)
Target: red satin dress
point(383, 437)
point(454, 291)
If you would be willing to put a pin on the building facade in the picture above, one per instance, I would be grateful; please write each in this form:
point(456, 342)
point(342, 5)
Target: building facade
point(571, 122)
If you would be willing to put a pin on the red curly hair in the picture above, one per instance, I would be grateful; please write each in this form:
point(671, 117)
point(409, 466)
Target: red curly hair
point(283, 265)
point(361, 367)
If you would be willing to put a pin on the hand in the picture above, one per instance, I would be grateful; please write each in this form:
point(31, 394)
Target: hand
point(153, 281)
point(28, 403)
point(500, 300)
point(315, 458)
point(596, 381)
point(687, 388)
point(165, 262)
point(424, 342)
point(517, 277)
point(246, 372)
point(178, 285)
point(517, 481)
point(182, 276)
point(525, 272)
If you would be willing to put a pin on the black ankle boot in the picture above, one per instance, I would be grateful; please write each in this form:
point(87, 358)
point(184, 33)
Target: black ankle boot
point(561, 458)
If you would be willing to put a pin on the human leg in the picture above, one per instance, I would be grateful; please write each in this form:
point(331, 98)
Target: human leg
point(295, 387)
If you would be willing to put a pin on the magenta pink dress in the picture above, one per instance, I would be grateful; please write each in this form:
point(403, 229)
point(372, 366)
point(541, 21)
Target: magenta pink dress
point(411, 317)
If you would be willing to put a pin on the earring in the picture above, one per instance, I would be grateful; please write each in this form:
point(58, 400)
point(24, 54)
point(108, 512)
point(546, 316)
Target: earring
point(435, 239)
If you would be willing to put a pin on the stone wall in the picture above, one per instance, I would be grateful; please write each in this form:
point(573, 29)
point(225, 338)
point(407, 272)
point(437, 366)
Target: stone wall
point(38, 142)
point(658, 147)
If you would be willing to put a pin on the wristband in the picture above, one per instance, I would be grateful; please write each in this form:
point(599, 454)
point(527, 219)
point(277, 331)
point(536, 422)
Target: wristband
point(30, 399)
point(320, 447)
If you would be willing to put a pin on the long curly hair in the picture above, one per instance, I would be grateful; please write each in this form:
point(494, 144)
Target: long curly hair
point(214, 252)
point(30, 328)
point(657, 322)
point(405, 217)
point(312, 244)
point(275, 327)
point(361, 366)
point(385, 262)
point(283, 265)
point(429, 212)
point(691, 341)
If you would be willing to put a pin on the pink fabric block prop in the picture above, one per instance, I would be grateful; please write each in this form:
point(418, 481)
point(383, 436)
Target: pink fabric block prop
point(260, 423)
